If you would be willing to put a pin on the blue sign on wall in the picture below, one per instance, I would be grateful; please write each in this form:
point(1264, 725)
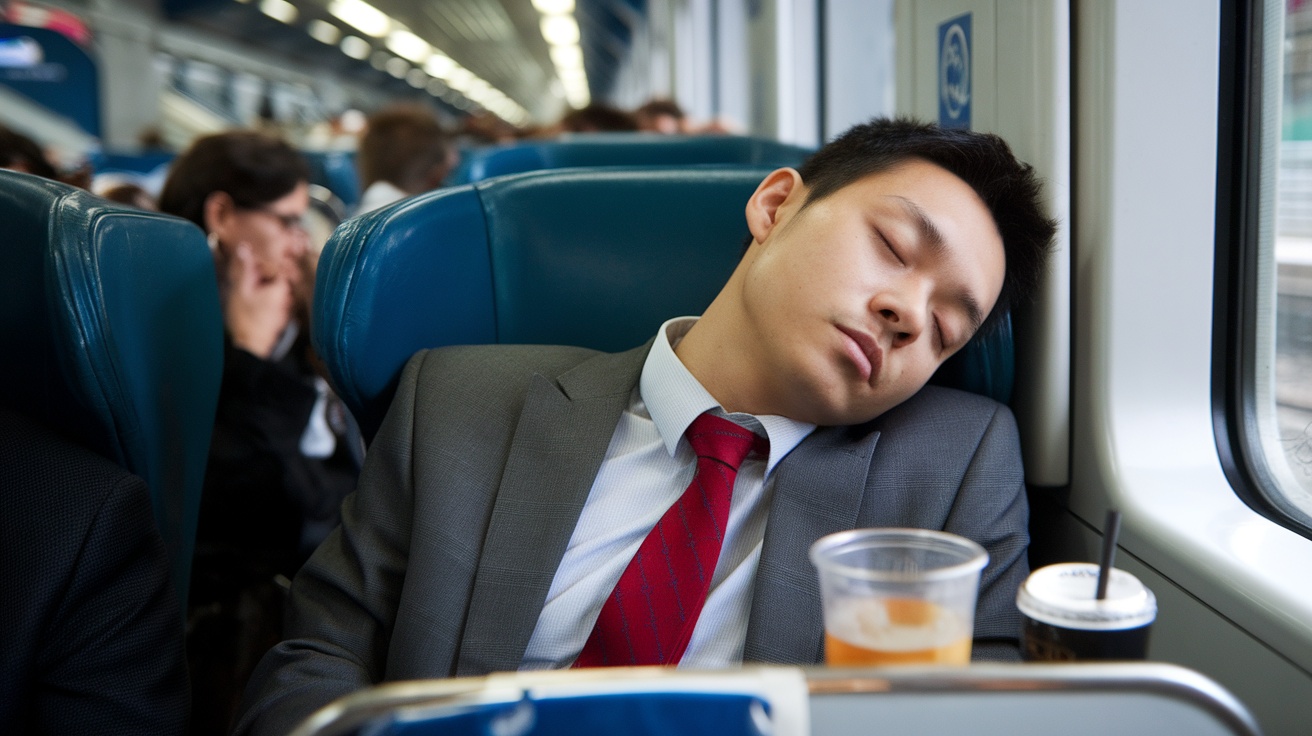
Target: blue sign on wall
point(954, 72)
point(53, 72)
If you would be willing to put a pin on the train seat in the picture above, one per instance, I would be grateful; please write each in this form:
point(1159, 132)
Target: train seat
point(112, 335)
point(981, 700)
point(336, 172)
point(591, 257)
point(624, 149)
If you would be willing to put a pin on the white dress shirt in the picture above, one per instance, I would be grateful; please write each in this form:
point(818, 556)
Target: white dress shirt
point(378, 194)
point(647, 466)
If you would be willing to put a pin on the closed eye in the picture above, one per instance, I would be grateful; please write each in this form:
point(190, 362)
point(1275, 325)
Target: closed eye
point(888, 245)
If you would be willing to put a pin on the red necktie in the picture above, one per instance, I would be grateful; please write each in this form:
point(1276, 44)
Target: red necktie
point(649, 617)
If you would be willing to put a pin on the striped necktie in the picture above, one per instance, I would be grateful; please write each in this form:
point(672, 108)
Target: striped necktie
point(650, 616)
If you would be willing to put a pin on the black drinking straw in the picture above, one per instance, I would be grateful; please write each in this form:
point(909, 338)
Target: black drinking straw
point(1111, 530)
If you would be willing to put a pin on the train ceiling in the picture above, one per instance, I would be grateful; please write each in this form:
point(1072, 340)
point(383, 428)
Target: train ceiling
point(501, 59)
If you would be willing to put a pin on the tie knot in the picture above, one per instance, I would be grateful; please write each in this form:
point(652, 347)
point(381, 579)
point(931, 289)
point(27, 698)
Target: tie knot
point(722, 440)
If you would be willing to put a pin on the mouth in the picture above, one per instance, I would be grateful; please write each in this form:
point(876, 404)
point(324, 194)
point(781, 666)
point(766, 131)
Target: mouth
point(864, 352)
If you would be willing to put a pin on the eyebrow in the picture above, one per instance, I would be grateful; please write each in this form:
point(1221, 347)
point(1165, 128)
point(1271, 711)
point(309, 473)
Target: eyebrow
point(932, 237)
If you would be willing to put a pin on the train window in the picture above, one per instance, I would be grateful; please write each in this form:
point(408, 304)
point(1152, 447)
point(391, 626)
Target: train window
point(1270, 268)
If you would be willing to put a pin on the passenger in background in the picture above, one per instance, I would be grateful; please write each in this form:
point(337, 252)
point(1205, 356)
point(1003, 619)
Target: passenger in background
point(597, 118)
point(486, 129)
point(404, 151)
point(661, 116)
point(92, 638)
point(22, 154)
point(284, 451)
point(128, 193)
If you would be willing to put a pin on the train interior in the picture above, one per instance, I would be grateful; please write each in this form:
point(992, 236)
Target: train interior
point(1165, 370)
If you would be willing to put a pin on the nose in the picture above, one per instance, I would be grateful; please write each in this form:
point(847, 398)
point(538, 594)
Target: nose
point(300, 242)
point(902, 316)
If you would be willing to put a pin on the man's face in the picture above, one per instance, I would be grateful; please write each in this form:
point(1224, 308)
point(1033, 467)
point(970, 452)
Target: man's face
point(853, 302)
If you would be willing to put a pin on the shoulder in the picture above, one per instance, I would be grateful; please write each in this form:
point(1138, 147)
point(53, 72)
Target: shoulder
point(937, 433)
point(946, 411)
point(48, 478)
point(501, 362)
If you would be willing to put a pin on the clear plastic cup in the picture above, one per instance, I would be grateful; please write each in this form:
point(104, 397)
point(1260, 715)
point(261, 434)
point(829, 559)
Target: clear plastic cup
point(1061, 619)
point(898, 596)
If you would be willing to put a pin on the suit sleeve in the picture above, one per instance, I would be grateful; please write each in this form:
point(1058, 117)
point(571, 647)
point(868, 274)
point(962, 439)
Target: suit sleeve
point(344, 600)
point(114, 660)
point(992, 509)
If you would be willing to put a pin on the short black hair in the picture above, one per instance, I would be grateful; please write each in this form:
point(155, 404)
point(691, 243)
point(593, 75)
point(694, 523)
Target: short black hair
point(253, 168)
point(1009, 188)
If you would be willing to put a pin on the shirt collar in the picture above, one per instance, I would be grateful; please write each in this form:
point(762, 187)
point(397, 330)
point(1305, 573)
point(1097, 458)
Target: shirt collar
point(674, 397)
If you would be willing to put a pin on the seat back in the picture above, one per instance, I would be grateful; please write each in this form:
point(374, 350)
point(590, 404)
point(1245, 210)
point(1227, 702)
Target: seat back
point(624, 149)
point(336, 172)
point(1140, 698)
point(113, 336)
point(591, 257)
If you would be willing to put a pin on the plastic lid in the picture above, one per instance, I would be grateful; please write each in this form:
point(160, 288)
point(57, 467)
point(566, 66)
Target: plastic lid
point(1063, 595)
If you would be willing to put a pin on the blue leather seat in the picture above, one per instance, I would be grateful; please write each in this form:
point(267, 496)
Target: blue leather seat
point(591, 257)
point(624, 149)
point(112, 335)
point(335, 171)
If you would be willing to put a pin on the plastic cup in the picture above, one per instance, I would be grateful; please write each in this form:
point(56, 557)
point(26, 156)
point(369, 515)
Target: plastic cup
point(1062, 621)
point(898, 596)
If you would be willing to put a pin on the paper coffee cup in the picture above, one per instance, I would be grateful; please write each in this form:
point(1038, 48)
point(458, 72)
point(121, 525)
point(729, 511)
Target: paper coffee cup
point(1063, 621)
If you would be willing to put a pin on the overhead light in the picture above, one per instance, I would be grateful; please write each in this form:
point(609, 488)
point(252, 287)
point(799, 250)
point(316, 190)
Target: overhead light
point(323, 31)
point(407, 45)
point(359, 14)
point(416, 78)
point(439, 65)
point(356, 47)
point(398, 67)
point(436, 87)
point(553, 7)
point(560, 30)
point(379, 59)
point(460, 78)
point(567, 57)
point(280, 10)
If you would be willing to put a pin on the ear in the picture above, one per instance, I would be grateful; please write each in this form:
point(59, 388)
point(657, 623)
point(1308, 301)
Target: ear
point(218, 211)
point(774, 198)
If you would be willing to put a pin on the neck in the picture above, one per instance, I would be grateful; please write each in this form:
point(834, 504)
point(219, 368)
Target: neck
point(716, 351)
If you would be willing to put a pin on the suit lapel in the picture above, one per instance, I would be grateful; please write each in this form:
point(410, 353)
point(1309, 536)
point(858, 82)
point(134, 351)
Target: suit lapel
point(560, 441)
point(818, 490)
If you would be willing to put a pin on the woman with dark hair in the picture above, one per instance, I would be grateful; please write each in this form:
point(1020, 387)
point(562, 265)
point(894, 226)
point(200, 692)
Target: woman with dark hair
point(284, 453)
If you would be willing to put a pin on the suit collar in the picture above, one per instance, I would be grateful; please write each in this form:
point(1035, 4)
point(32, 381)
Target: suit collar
point(559, 444)
point(818, 490)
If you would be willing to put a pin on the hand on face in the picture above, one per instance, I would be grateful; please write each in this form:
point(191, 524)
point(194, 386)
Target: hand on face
point(256, 306)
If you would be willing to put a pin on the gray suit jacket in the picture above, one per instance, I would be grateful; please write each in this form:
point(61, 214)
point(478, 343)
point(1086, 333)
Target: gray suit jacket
point(474, 484)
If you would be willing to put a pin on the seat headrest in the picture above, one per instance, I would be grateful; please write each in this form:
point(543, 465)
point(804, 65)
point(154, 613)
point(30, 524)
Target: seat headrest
point(591, 257)
point(625, 149)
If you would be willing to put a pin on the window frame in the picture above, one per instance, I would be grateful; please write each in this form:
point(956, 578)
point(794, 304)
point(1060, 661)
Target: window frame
point(1238, 281)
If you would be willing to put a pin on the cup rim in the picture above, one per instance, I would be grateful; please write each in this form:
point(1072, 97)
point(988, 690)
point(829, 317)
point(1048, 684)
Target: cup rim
point(1129, 604)
point(829, 543)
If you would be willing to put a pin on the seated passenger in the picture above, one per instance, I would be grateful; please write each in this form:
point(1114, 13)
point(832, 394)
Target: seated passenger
point(661, 116)
point(22, 154)
point(509, 494)
point(404, 151)
point(597, 118)
point(93, 639)
point(284, 451)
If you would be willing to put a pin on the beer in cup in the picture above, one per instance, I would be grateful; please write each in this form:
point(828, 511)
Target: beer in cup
point(898, 596)
point(1062, 620)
